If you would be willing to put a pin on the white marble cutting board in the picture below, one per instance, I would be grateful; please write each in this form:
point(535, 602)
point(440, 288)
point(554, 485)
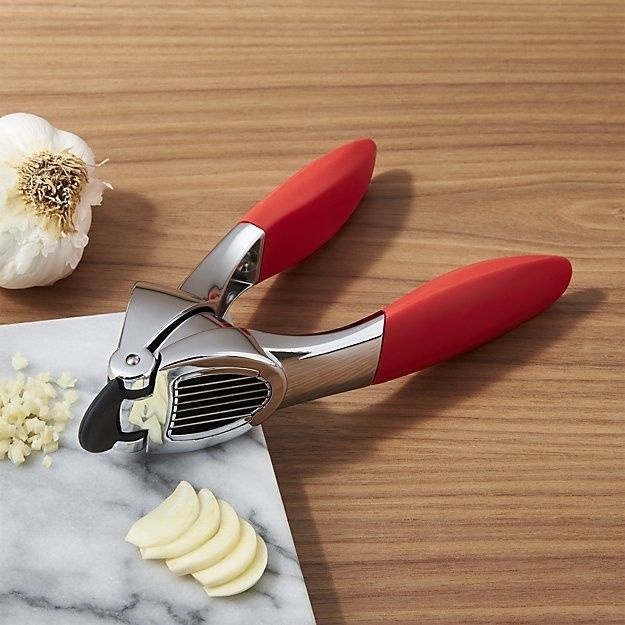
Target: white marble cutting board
point(63, 559)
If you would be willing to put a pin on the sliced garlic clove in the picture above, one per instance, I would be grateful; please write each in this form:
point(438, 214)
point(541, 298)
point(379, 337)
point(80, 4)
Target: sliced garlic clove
point(247, 579)
point(203, 529)
point(167, 521)
point(214, 549)
point(235, 563)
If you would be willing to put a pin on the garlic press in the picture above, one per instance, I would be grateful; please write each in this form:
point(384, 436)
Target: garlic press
point(215, 380)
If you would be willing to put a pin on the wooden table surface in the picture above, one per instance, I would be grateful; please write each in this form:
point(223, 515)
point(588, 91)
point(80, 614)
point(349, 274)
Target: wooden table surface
point(486, 490)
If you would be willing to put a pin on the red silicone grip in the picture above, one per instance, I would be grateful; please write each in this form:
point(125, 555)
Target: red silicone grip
point(309, 208)
point(466, 308)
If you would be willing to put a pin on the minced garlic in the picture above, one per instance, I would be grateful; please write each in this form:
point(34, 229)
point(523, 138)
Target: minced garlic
point(32, 416)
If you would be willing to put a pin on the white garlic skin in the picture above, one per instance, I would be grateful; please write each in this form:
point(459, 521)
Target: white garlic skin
point(31, 252)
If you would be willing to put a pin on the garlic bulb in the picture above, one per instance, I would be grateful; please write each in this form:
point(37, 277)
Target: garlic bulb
point(47, 188)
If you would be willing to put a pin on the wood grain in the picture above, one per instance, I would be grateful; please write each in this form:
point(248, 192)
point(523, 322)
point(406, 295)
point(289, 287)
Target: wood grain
point(487, 490)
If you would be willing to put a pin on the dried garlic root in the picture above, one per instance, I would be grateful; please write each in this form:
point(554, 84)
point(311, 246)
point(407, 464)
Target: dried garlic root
point(211, 542)
point(32, 416)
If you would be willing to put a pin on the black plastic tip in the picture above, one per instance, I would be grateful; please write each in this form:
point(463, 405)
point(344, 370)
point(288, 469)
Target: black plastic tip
point(100, 428)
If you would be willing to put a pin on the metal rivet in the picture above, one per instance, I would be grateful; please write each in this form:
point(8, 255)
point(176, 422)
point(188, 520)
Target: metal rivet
point(249, 262)
point(132, 359)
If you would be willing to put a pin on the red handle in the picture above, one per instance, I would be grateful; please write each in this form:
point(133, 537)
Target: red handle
point(309, 208)
point(466, 308)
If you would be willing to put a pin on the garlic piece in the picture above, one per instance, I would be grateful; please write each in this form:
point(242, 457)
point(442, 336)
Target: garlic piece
point(153, 406)
point(247, 579)
point(67, 380)
point(19, 362)
point(154, 429)
point(135, 415)
point(47, 188)
point(46, 462)
point(169, 520)
point(16, 452)
point(70, 397)
point(204, 528)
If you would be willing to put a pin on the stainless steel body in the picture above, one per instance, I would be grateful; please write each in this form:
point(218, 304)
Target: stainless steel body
point(324, 364)
point(242, 376)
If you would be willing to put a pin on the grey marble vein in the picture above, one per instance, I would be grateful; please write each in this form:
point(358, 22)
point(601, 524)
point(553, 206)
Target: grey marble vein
point(63, 559)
